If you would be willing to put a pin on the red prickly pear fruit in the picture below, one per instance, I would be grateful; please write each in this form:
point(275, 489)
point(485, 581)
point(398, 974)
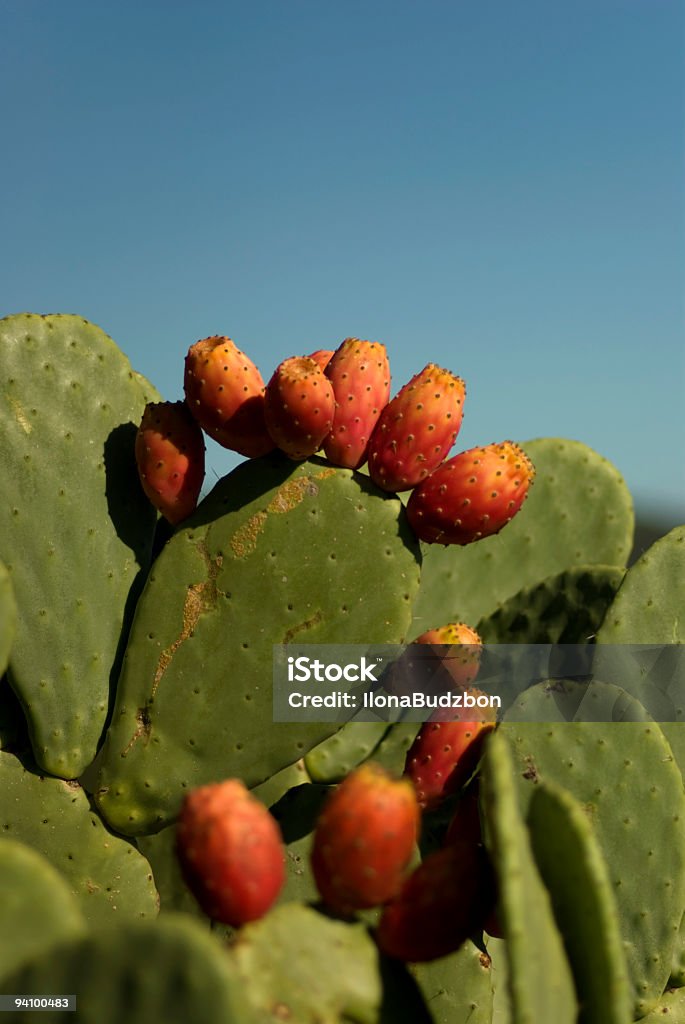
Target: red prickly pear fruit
point(472, 495)
point(299, 407)
point(364, 839)
point(360, 374)
point(438, 661)
point(321, 357)
point(225, 393)
point(230, 851)
point(443, 757)
point(442, 903)
point(416, 429)
point(170, 455)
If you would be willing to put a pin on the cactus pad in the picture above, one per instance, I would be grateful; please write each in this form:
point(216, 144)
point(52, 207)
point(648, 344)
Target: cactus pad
point(170, 970)
point(110, 879)
point(457, 988)
point(576, 874)
point(625, 777)
point(37, 909)
point(276, 553)
point(649, 607)
point(333, 759)
point(564, 609)
point(539, 978)
point(75, 527)
point(300, 966)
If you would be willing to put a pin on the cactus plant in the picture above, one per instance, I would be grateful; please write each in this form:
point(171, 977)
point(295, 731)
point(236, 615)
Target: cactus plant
point(127, 683)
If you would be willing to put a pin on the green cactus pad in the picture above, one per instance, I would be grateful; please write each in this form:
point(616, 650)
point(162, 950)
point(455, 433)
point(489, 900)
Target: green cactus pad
point(170, 971)
point(37, 908)
point(649, 607)
point(278, 552)
point(499, 969)
point(575, 872)
point(391, 752)
point(457, 988)
point(335, 758)
point(579, 512)
point(675, 734)
point(110, 879)
point(565, 700)
point(671, 1009)
point(625, 777)
point(539, 978)
point(75, 526)
point(271, 790)
point(567, 608)
point(8, 618)
point(300, 966)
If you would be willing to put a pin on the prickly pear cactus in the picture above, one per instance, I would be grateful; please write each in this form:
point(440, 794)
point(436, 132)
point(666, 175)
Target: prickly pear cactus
point(649, 605)
point(107, 875)
point(626, 778)
point(540, 985)
point(335, 757)
point(137, 972)
point(277, 552)
point(582, 806)
point(75, 527)
point(37, 909)
point(286, 963)
point(458, 987)
point(575, 872)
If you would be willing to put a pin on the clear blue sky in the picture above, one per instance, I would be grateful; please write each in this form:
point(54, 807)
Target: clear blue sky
point(497, 187)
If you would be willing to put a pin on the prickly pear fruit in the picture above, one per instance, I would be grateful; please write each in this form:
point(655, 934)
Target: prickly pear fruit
point(444, 755)
point(321, 357)
point(439, 660)
point(299, 407)
point(225, 393)
point(364, 839)
point(360, 374)
point(416, 429)
point(442, 903)
point(472, 495)
point(170, 455)
point(230, 851)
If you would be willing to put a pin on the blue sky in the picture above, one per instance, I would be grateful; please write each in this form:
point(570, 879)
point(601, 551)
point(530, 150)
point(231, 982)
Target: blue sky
point(497, 187)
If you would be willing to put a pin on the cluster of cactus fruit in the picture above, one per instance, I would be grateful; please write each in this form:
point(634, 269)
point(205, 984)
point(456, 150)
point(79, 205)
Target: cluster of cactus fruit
point(338, 403)
point(169, 852)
